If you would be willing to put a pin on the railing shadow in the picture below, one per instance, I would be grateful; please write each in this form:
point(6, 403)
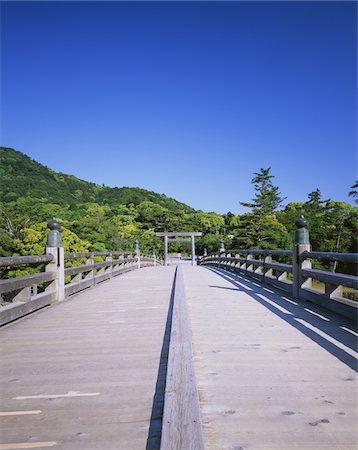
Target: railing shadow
point(155, 427)
point(318, 324)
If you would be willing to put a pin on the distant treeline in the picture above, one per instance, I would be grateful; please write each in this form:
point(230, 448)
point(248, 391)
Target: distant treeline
point(100, 218)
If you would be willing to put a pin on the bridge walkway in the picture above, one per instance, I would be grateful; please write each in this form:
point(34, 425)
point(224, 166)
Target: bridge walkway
point(271, 373)
point(89, 373)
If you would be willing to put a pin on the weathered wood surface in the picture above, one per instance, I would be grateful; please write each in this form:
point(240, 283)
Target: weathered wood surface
point(340, 279)
point(182, 233)
point(12, 284)
point(182, 428)
point(272, 374)
point(82, 374)
point(18, 260)
point(331, 256)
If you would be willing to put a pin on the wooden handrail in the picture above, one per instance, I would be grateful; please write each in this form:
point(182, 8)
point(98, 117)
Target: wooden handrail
point(28, 260)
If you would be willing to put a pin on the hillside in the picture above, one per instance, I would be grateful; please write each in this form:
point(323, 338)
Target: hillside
point(20, 177)
point(101, 218)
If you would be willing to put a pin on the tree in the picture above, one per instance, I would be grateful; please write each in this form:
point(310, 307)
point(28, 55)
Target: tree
point(354, 192)
point(257, 231)
point(210, 241)
point(33, 242)
point(315, 202)
point(268, 197)
point(11, 226)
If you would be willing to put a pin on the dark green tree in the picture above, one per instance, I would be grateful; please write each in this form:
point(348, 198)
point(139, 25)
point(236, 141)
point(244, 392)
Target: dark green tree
point(267, 196)
point(259, 231)
point(354, 192)
point(315, 202)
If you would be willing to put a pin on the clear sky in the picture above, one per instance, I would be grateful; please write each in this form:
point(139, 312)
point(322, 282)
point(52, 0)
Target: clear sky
point(185, 98)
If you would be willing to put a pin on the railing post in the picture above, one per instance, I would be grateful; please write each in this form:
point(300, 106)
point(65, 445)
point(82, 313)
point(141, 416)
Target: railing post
point(249, 267)
point(23, 296)
point(110, 269)
point(193, 260)
point(90, 274)
point(137, 252)
point(266, 271)
point(237, 263)
point(302, 244)
point(121, 262)
point(165, 250)
point(57, 265)
point(154, 258)
point(222, 246)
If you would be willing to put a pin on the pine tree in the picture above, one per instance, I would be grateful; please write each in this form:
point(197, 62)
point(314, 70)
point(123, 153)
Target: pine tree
point(315, 202)
point(354, 192)
point(268, 197)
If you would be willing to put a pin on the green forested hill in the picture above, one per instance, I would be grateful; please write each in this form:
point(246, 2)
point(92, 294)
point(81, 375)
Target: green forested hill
point(20, 177)
point(100, 218)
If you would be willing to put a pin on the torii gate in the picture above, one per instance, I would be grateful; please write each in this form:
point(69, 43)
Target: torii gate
point(172, 236)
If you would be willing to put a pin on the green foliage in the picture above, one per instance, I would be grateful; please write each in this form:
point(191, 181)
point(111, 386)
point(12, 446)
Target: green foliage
point(99, 218)
point(267, 197)
point(332, 226)
point(21, 177)
point(354, 192)
point(33, 241)
point(209, 241)
point(11, 226)
point(257, 231)
point(98, 247)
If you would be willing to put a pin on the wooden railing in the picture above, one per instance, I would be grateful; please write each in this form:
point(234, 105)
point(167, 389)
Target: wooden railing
point(294, 276)
point(26, 294)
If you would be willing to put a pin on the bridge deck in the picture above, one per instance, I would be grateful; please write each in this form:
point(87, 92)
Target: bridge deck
point(91, 366)
point(271, 374)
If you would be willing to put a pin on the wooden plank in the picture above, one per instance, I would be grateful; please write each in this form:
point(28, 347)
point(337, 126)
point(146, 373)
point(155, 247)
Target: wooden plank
point(179, 240)
point(15, 310)
point(340, 279)
point(16, 260)
point(182, 427)
point(174, 233)
point(13, 284)
point(330, 256)
point(73, 288)
point(79, 269)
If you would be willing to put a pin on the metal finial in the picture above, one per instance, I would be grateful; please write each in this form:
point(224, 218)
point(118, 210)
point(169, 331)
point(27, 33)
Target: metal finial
point(301, 222)
point(301, 234)
point(54, 235)
point(54, 224)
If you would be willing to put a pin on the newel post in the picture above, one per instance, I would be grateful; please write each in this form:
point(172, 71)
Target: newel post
point(302, 244)
point(137, 252)
point(57, 265)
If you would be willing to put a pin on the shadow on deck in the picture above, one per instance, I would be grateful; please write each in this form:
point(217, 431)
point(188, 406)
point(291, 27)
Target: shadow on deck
point(332, 332)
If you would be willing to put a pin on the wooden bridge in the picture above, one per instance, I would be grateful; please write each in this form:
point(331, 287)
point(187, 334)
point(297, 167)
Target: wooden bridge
point(182, 357)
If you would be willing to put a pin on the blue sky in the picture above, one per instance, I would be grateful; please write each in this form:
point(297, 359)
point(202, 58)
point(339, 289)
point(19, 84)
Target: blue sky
point(185, 98)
